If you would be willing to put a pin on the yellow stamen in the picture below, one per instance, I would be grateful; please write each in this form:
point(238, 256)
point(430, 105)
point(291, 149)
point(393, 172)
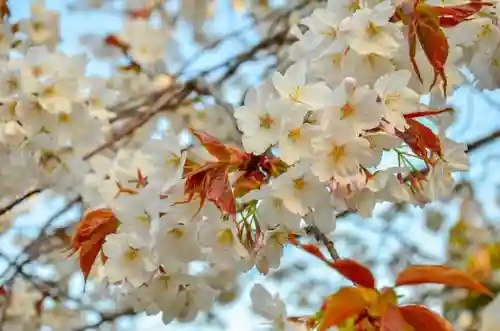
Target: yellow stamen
point(132, 253)
point(337, 153)
point(176, 232)
point(266, 121)
point(299, 183)
point(294, 135)
point(225, 237)
point(347, 110)
point(372, 30)
point(295, 95)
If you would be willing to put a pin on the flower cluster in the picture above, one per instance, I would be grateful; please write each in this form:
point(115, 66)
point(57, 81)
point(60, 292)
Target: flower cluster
point(343, 128)
point(350, 100)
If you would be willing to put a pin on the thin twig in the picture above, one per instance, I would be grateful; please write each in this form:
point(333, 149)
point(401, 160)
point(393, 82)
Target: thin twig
point(321, 237)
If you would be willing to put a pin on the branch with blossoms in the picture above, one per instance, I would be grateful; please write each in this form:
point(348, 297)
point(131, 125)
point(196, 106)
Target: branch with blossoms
point(310, 144)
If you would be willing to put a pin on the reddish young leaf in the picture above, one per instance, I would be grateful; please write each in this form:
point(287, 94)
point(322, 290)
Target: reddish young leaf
point(460, 13)
point(393, 320)
point(90, 236)
point(437, 274)
point(114, 40)
point(346, 303)
point(210, 182)
point(248, 182)
point(412, 47)
point(420, 139)
point(355, 272)
point(215, 147)
point(429, 112)
point(219, 191)
point(435, 45)
point(314, 250)
point(140, 13)
point(422, 319)
point(4, 9)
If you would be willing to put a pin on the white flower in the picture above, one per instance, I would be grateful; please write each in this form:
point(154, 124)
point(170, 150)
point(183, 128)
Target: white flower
point(56, 95)
point(273, 309)
point(369, 31)
point(271, 250)
point(271, 211)
point(299, 188)
point(486, 68)
point(295, 143)
point(343, 8)
point(42, 28)
point(366, 68)
point(165, 157)
point(356, 108)
point(262, 124)
point(221, 238)
point(293, 86)
point(325, 27)
point(193, 296)
point(137, 211)
point(6, 38)
point(337, 155)
point(330, 66)
point(266, 305)
point(175, 239)
point(12, 133)
point(129, 259)
point(384, 185)
point(101, 98)
point(397, 99)
point(147, 44)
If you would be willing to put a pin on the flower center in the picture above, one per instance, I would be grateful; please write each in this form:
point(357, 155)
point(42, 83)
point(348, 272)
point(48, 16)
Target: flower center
point(294, 135)
point(353, 6)
point(295, 94)
point(347, 110)
point(266, 121)
point(372, 29)
point(486, 31)
point(132, 253)
point(277, 203)
point(337, 153)
point(299, 183)
point(176, 232)
point(64, 118)
point(225, 237)
point(337, 59)
point(172, 160)
point(144, 219)
point(391, 99)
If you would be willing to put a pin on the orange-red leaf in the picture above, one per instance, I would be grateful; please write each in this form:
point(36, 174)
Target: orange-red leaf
point(459, 13)
point(210, 182)
point(355, 272)
point(420, 139)
point(435, 45)
point(248, 182)
point(437, 274)
point(422, 319)
point(215, 147)
point(346, 303)
point(314, 250)
point(393, 320)
point(429, 112)
point(90, 236)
